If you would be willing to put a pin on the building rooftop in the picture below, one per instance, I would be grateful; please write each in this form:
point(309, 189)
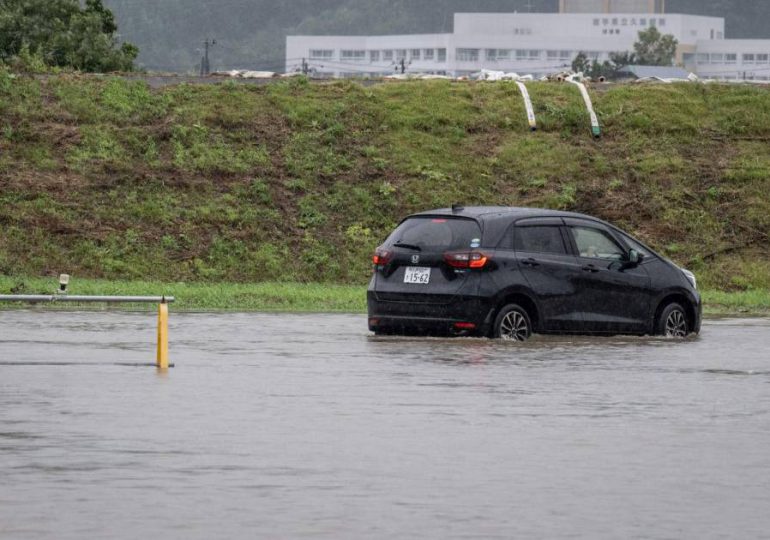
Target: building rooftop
point(660, 72)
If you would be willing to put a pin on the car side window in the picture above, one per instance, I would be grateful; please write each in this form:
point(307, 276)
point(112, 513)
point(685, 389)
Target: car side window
point(633, 244)
point(539, 239)
point(596, 244)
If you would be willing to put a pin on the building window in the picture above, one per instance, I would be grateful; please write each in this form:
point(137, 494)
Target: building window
point(534, 54)
point(321, 54)
point(428, 54)
point(661, 22)
point(703, 58)
point(441, 55)
point(353, 56)
point(400, 54)
point(748, 58)
point(642, 22)
point(467, 55)
point(374, 56)
point(720, 35)
point(494, 55)
point(688, 58)
point(565, 56)
point(762, 59)
point(731, 58)
point(415, 53)
point(596, 22)
point(521, 54)
point(387, 55)
point(717, 58)
point(593, 55)
point(552, 56)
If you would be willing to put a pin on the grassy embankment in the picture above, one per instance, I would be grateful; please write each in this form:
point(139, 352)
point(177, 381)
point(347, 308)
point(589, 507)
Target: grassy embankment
point(296, 183)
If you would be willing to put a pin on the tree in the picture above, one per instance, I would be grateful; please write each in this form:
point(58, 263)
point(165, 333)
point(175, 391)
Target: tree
point(62, 33)
point(654, 48)
point(581, 63)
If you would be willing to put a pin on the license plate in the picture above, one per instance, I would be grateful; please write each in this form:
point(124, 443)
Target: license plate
point(417, 274)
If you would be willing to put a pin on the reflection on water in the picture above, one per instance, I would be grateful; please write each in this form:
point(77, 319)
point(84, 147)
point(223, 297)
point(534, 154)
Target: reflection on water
point(285, 426)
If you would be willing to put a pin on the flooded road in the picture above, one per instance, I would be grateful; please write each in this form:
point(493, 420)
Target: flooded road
point(305, 426)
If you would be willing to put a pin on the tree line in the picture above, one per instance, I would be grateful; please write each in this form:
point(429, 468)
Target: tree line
point(40, 34)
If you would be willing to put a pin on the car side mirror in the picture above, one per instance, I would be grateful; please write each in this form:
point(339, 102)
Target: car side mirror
point(634, 257)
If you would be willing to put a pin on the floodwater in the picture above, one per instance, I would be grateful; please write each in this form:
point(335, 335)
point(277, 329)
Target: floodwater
point(305, 426)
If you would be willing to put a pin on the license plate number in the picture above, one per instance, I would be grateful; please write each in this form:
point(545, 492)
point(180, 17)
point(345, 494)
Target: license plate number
point(417, 275)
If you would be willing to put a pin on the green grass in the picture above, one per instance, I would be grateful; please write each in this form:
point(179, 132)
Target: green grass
point(107, 178)
point(262, 297)
point(290, 297)
point(755, 302)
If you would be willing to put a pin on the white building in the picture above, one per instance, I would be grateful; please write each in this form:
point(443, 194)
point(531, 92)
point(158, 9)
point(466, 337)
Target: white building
point(536, 43)
point(731, 59)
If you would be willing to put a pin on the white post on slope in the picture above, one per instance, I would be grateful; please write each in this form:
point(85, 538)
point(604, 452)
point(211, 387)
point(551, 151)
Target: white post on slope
point(528, 104)
point(595, 128)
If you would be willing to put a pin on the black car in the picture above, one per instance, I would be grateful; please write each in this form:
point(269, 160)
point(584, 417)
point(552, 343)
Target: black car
point(511, 272)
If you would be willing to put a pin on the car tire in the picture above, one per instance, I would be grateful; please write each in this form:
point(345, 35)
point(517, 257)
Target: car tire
point(673, 322)
point(513, 324)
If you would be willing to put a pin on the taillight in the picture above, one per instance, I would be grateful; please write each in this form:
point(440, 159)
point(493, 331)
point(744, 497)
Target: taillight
point(465, 326)
point(382, 257)
point(465, 259)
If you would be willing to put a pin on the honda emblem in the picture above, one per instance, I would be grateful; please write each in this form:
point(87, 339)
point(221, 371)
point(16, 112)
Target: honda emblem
point(415, 259)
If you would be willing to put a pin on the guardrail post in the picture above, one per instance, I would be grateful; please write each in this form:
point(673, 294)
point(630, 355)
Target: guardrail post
point(162, 359)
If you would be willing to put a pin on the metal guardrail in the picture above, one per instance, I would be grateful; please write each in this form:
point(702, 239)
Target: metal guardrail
point(162, 301)
point(39, 298)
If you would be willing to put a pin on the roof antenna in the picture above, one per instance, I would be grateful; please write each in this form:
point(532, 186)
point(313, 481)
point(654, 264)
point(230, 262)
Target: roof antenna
point(457, 207)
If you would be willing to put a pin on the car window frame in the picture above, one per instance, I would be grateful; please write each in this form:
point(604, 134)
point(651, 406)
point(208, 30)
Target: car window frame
point(585, 224)
point(527, 222)
point(621, 235)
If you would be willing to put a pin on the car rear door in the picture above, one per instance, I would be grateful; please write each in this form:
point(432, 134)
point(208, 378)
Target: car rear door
point(613, 296)
point(551, 270)
point(416, 269)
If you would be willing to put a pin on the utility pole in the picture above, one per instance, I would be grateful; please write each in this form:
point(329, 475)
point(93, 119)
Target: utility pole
point(205, 65)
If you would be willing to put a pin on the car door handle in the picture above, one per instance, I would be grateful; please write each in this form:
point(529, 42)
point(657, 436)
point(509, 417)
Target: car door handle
point(530, 262)
point(590, 268)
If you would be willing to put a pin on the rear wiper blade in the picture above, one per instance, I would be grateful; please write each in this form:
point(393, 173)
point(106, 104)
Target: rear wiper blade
point(407, 246)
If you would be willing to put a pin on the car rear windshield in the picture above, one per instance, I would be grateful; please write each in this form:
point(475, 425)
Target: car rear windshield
point(436, 234)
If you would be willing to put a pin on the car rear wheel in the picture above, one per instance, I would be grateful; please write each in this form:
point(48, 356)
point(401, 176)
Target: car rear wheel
point(513, 324)
point(673, 322)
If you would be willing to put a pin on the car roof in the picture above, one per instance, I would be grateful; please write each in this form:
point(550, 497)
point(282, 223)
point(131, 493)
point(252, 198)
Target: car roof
point(495, 220)
point(484, 213)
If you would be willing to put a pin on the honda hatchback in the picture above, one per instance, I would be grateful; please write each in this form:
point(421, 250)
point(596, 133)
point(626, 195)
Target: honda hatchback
point(511, 272)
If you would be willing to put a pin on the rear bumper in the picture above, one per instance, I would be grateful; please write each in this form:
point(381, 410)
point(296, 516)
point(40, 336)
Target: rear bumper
point(460, 315)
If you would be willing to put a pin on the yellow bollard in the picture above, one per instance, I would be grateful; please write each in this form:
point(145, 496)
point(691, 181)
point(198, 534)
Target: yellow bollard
point(163, 335)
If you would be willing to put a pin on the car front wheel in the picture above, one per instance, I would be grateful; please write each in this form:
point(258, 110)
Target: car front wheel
point(673, 322)
point(513, 324)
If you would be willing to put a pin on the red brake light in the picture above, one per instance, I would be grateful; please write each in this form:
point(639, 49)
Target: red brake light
point(466, 259)
point(465, 326)
point(382, 256)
